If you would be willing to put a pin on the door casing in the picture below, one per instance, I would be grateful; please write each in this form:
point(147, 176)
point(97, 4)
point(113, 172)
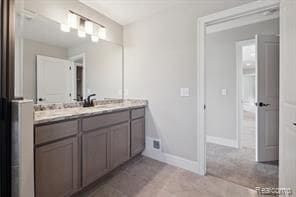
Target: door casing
point(7, 35)
point(202, 23)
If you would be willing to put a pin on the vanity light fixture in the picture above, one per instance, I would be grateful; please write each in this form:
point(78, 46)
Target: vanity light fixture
point(84, 26)
point(81, 34)
point(72, 20)
point(65, 28)
point(88, 26)
point(95, 38)
point(102, 33)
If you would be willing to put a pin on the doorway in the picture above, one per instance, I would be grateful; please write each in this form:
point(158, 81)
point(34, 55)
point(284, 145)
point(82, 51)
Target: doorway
point(79, 76)
point(224, 91)
point(246, 88)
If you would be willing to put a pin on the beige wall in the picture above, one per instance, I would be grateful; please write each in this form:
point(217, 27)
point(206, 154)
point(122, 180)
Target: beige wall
point(221, 74)
point(30, 50)
point(160, 58)
point(58, 9)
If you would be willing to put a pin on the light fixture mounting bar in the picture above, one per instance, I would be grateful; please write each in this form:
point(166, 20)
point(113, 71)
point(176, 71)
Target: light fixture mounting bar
point(86, 18)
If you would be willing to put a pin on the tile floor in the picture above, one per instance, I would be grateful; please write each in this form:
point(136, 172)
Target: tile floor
point(143, 177)
point(231, 173)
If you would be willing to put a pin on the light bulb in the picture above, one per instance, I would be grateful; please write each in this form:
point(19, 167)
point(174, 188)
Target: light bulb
point(72, 20)
point(102, 33)
point(88, 27)
point(65, 28)
point(81, 34)
point(95, 38)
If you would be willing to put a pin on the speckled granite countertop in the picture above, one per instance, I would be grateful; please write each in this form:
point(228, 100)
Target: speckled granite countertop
point(52, 115)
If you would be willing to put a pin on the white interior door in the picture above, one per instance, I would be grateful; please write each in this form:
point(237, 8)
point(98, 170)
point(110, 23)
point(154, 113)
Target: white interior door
point(54, 80)
point(287, 162)
point(267, 98)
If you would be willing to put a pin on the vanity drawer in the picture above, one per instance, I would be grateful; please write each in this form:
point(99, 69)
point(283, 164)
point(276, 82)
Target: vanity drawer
point(138, 113)
point(55, 131)
point(104, 120)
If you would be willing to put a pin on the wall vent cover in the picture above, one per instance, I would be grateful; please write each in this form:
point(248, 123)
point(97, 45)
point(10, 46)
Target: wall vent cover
point(156, 144)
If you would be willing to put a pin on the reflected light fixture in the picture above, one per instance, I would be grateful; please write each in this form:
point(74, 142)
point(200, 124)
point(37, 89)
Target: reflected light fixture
point(102, 33)
point(65, 28)
point(84, 26)
point(81, 34)
point(72, 20)
point(95, 38)
point(88, 26)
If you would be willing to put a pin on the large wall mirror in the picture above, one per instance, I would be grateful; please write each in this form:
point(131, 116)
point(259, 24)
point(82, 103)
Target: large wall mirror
point(62, 67)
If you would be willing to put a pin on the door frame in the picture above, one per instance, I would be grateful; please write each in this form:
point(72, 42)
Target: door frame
point(239, 94)
point(7, 47)
point(202, 23)
point(76, 57)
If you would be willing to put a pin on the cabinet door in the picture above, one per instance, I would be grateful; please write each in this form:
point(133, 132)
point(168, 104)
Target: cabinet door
point(56, 168)
point(137, 136)
point(119, 144)
point(94, 155)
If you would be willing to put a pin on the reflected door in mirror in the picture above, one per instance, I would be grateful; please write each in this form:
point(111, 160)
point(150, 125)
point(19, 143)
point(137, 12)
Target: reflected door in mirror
point(54, 80)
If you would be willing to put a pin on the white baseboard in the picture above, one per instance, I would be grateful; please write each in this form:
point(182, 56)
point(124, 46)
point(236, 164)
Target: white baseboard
point(222, 141)
point(172, 160)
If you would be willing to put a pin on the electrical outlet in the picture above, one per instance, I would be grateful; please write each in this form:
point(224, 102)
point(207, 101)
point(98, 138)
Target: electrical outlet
point(125, 92)
point(88, 91)
point(184, 92)
point(224, 92)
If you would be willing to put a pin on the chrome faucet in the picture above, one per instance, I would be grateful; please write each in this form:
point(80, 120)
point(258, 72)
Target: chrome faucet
point(88, 102)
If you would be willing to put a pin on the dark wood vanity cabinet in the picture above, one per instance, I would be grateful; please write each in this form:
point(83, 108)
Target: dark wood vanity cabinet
point(56, 161)
point(119, 144)
point(95, 155)
point(57, 168)
point(72, 154)
point(137, 131)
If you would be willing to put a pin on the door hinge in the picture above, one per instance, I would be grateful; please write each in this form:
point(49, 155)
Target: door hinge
point(205, 107)
point(70, 94)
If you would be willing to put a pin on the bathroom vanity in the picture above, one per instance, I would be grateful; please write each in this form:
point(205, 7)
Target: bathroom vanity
point(74, 147)
point(80, 134)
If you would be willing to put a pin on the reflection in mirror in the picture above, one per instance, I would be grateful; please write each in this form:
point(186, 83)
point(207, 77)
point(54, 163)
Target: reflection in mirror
point(60, 66)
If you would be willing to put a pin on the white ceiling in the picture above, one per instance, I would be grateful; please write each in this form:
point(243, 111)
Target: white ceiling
point(128, 11)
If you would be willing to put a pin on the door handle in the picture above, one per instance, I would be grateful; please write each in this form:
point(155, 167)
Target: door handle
point(41, 99)
point(261, 104)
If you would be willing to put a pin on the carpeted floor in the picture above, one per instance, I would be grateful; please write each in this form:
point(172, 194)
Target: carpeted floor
point(248, 133)
point(238, 166)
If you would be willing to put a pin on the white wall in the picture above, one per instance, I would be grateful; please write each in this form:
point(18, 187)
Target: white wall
point(30, 50)
point(103, 68)
point(57, 10)
point(160, 58)
point(221, 74)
